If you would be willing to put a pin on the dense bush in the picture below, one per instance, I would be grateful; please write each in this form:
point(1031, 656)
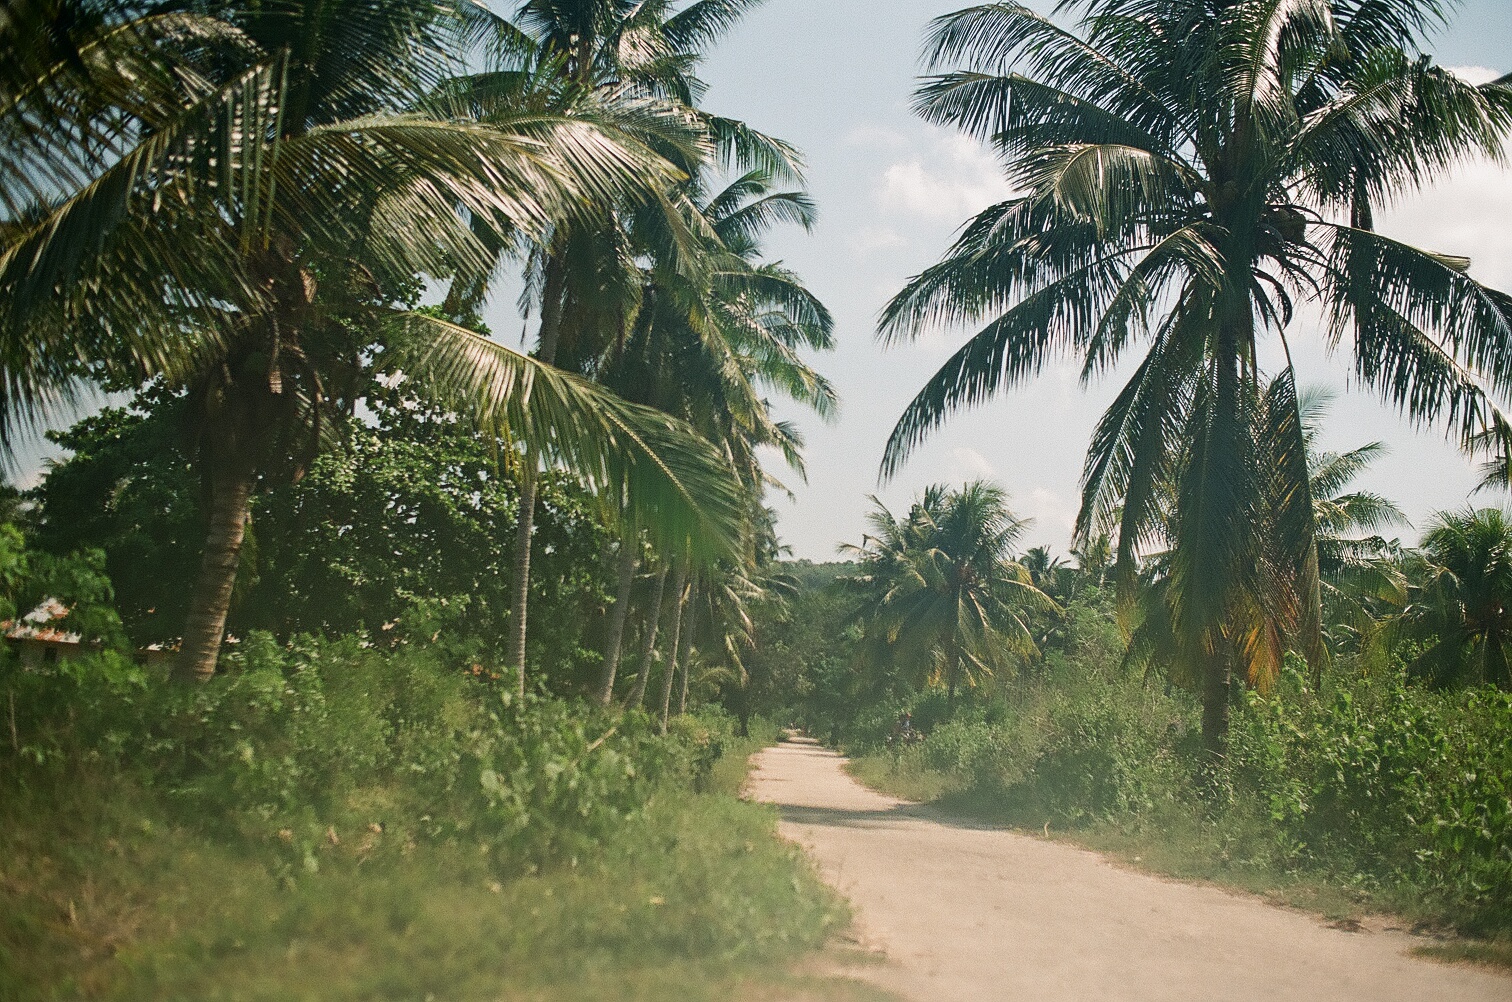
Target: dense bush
point(294, 741)
point(1381, 781)
point(325, 817)
point(407, 531)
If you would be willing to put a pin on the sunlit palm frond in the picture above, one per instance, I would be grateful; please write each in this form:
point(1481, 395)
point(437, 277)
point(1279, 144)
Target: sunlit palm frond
point(650, 469)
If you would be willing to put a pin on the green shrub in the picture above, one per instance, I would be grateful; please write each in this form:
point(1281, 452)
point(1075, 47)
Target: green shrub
point(297, 738)
point(324, 819)
point(1383, 783)
point(1105, 750)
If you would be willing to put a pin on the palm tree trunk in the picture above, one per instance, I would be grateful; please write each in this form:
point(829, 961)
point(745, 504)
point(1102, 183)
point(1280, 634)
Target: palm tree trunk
point(205, 626)
point(551, 327)
point(1236, 338)
point(648, 643)
point(627, 560)
point(518, 609)
point(1217, 679)
point(687, 659)
point(680, 600)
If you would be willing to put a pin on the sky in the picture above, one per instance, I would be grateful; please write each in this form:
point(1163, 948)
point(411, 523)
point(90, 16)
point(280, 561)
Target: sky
point(834, 77)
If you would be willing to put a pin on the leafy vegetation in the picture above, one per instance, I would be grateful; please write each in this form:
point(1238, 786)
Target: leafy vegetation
point(941, 593)
point(378, 825)
point(1375, 790)
point(1381, 794)
point(332, 498)
point(1239, 676)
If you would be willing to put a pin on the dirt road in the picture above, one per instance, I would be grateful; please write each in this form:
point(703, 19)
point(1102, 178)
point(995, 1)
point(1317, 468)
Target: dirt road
point(966, 913)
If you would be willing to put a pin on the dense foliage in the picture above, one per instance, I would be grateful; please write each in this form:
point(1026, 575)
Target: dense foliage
point(335, 510)
point(1188, 173)
point(350, 588)
point(405, 531)
point(348, 806)
point(295, 740)
point(1381, 787)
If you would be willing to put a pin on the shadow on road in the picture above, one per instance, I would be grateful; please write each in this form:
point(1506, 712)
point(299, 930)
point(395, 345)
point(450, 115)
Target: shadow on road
point(833, 817)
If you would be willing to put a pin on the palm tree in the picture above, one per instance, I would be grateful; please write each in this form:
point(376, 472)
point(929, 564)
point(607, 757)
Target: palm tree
point(678, 610)
point(1192, 170)
point(627, 560)
point(1460, 611)
point(723, 626)
point(312, 198)
point(648, 639)
point(708, 348)
point(943, 594)
point(639, 57)
point(1044, 567)
point(1357, 571)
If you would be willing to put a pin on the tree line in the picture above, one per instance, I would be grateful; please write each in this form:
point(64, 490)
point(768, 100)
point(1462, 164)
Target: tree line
point(274, 228)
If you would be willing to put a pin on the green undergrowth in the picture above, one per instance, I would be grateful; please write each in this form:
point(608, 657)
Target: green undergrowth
point(1375, 797)
point(288, 832)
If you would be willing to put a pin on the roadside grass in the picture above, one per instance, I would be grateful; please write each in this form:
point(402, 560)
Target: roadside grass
point(903, 777)
point(110, 896)
point(1489, 952)
point(728, 774)
point(1172, 842)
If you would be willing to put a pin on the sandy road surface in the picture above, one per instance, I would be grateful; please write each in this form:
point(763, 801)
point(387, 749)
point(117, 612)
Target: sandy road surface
point(967, 913)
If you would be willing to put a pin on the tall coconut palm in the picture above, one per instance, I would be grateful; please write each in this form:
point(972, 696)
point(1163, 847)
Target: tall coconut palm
point(677, 612)
point(1050, 573)
point(1460, 612)
point(311, 197)
point(709, 348)
point(945, 599)
point(654, 615)
point(643, 55)
point(724, 627)
point(627, 560)
point(1193, 170)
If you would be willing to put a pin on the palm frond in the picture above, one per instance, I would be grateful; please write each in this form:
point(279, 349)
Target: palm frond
point(649, 468)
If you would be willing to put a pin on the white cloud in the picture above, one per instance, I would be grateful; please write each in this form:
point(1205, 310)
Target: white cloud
point(1475, 74)
point(1465, 213)
point(952, 178)
point(968, 464)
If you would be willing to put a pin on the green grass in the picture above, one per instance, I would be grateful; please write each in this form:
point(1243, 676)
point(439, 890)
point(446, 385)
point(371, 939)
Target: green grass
point(1489, 952)
point(697, 898)
point(903, 777)
point(729, 771)
point(1180, 844)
